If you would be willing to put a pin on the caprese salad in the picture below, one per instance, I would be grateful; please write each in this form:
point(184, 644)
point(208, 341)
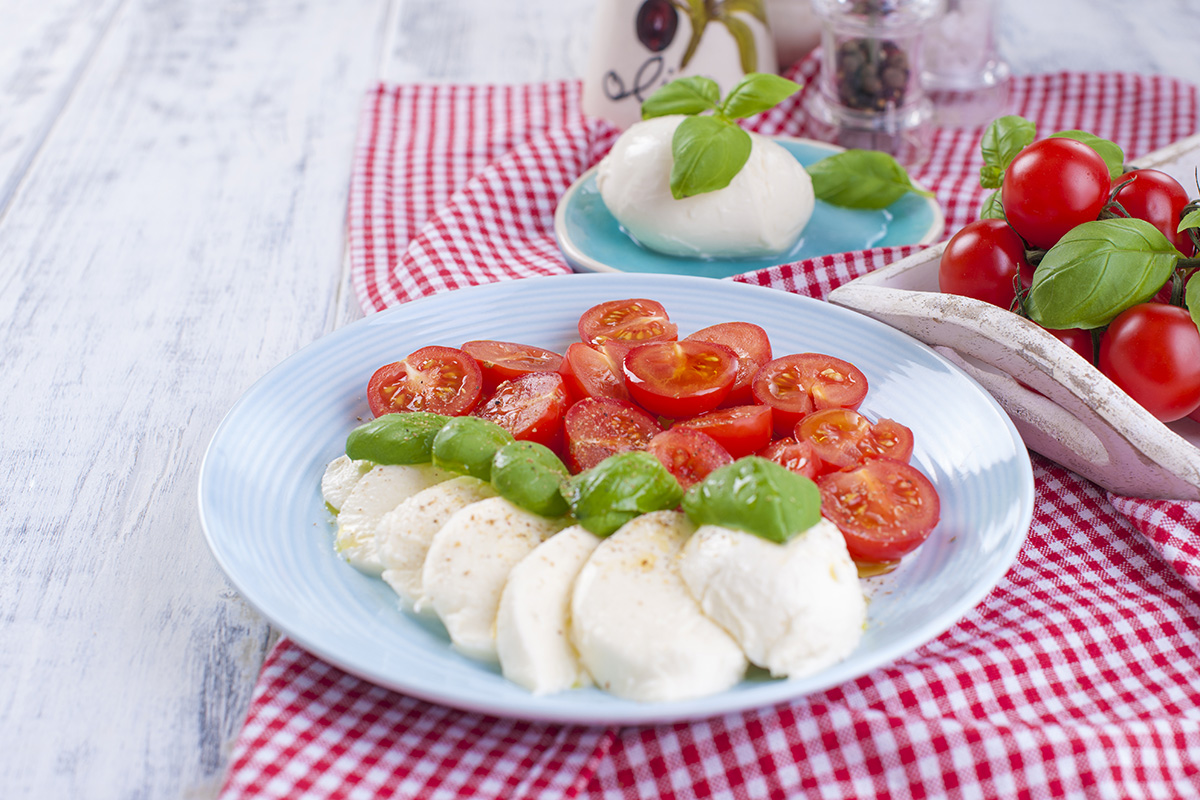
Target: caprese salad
point(644, 512)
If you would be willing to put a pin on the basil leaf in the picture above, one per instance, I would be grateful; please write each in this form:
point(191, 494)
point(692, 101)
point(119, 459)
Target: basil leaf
point(708, 152)
point(755, 93)
point(1111, 152)
point(1001, 142)
point(1190, 220)
point(1191, 297)
point(861, 179)
point(992, 207)
point(1097, 270)
point(757, 496)
point(690, 95)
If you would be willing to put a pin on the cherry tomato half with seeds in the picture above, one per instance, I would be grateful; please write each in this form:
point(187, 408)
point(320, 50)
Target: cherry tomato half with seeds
point(1051, 186)
point(503, 361)
point(1156, 197)
point(741, 430)
point(797, 456)
point(591, 372)
point(688, 454)
point(798, 384)
point(1152, 352)
point(885, 509)
point(633, 321)
point(596, 428)
point(753, 349)
point(984, 260)
point(679, 379)
point(842, 438)
point(531, 407)
point(441, 380)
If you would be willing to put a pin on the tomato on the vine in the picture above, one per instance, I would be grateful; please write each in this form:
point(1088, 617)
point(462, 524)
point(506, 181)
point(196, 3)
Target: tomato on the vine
point(1156, 197)
point(1051, 186)
point(441, 380)
point(983, 260)
point(679, 379)
point(530, 407)
point(1077, 339)
point(885, 509)
point(688, 454)
point(1152, 352)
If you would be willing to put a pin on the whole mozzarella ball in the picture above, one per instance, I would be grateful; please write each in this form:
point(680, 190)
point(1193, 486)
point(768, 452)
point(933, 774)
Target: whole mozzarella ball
point(762, 211)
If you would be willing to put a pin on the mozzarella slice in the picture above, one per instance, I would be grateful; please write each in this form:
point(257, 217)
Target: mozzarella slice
point(375, 494)
point(339, 479)
point(534, 615)
point(467, 564)
point(794, 608)
point(638, 630)
point(405, 532)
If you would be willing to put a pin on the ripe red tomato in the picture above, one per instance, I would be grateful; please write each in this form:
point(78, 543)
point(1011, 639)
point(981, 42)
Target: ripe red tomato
point(1052, 186)
point(503, 361)
point(797, 384)
point(885, 509)
point(1157, 198)
point(753, 349)
point(796, 456)
point(634, 321)
point(983, 261)
point(1152, 352)
point(1078, 340)
point(530, 407)
point(679, 379)
point(442, 380)
point(591, 372)
point(688, 454)
point(741, 430)
point(842, 438)
point(595, 428)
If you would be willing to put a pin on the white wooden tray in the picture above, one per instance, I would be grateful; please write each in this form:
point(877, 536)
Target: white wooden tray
point(1063, 406)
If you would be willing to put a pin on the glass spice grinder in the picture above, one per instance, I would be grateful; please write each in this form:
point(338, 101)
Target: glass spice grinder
point(869, 95)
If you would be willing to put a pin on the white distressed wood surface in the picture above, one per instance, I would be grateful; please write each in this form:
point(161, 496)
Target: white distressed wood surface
point(173, 181)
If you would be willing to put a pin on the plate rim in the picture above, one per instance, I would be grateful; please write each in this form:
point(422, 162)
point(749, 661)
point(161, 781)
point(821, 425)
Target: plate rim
point(578, 260)
point(620, 711)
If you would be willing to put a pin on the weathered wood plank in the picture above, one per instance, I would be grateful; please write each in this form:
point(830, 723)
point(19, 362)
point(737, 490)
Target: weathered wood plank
point(180, 231)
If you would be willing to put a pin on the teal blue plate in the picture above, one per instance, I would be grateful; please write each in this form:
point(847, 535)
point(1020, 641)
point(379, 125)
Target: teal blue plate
point(592, 240)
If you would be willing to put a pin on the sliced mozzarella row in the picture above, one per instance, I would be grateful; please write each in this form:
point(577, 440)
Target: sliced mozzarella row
point(639, 632)
point(405, 532)
point(468, 563)
point(375, 494)
point(794, 608)
point(534, 616)
point(339, 479)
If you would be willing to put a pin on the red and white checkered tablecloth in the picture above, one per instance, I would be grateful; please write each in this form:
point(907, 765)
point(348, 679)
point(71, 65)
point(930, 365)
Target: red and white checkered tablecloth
point(1077, 676)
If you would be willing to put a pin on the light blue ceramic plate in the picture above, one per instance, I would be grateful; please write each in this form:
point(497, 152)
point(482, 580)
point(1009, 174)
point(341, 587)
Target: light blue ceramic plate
point(263, 515)
point(591, 240)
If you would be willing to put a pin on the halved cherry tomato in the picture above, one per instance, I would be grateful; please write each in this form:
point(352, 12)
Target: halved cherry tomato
point(503, 361)
point(595, 428)
point(679, 379)
point(753, 349)
point(742, 430)
point(843, 438)
point(591, 372)
point(798, 384)
point(885, 509)
point(530, 407)
point(633, 321)
point(796, 456)
point(688, 454)
point(441, 380)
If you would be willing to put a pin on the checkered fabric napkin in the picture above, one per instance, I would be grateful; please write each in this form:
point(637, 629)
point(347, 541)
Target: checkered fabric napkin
point(1075, 677)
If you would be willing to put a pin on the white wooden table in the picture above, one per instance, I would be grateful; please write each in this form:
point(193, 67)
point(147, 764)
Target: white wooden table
point(173, 183)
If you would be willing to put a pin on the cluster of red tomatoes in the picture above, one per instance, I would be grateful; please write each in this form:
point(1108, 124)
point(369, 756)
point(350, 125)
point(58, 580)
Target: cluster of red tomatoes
point(1151, 350)
point(696, 403)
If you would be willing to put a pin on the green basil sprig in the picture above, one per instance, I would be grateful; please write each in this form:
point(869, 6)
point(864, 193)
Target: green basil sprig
point(1001, 142)
point(1190, 220)
point(709, 151)
point(866, 179)
point(1097, 270)
point(1191, 297)
point(1111, 152)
